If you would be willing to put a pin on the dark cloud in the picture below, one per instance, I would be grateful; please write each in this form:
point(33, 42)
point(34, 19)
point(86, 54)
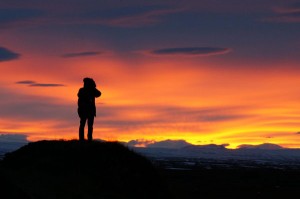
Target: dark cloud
point(81, 54)
point(298, 133)
point(46, 85)
point(36, 84)
point(7, 55)
point(26, 82)
point(190, 51)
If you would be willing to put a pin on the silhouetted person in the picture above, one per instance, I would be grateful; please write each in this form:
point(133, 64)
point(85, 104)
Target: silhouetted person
point(87, 107)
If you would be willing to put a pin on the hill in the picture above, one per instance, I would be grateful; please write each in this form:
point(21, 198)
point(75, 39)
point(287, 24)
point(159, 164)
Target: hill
point(70, 169)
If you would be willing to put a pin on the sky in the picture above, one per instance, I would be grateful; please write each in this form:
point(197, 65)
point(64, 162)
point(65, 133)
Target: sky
point(203, 71)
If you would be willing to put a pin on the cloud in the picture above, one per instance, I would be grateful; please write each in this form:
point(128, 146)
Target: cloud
point(81, 54)
point(147, 17)
point(190, 51)
point(7, 55)
point(46, 85)
point(24, 108)
point(168, 115)
point(286, 14)
point(25, 82)
point(294, 8)
point(35, 84)
point(161, 118)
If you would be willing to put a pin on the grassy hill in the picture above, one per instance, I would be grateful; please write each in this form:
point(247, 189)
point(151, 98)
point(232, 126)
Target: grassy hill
point(70, 169)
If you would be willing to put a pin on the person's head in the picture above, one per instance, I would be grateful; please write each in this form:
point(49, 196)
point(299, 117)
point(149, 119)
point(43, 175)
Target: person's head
point(89, 83)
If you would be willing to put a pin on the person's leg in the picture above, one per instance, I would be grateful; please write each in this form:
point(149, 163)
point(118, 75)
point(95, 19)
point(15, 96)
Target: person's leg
point(81, 128)
point(90, 127)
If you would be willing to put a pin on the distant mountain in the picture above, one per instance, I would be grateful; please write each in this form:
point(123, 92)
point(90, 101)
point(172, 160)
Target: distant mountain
point(74, 170)
point(205, 147)
point(265, 146)
point(171, 144)
point(262, 152)
point(11, 142)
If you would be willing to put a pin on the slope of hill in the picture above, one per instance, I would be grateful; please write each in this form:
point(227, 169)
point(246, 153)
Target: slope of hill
point(70, 169)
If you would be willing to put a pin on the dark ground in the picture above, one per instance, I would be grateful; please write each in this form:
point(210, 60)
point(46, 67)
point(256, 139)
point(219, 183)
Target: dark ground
point(232, 183)
point(78, 170)
point(58, 169)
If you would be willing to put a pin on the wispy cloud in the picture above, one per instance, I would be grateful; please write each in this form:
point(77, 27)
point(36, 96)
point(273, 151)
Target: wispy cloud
point(25, 107)
point(82, 54)
point(286, 14)
point(149, 17)
point(120, 117)
point(7, 55)
point(36, 84)
point(189, 51)
point(294, 8)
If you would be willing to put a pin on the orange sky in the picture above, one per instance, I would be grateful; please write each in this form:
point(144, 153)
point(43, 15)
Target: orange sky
point(205, 72)
point(156, 100)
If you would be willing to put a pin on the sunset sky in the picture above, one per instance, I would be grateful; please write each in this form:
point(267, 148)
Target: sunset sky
point(205, 71)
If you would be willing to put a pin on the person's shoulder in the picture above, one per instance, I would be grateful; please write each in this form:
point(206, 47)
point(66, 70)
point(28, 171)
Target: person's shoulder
point(80, 91)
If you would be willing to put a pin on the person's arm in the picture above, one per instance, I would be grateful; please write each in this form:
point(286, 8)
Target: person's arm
point(97, 93)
